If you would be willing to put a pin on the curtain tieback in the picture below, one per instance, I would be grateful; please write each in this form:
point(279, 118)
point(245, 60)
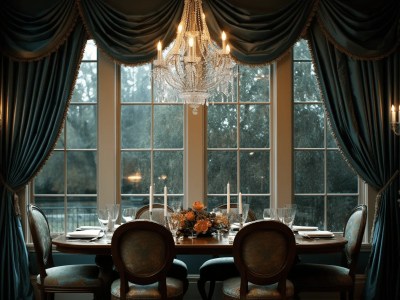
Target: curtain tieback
point(378, 199)
point(15, 195)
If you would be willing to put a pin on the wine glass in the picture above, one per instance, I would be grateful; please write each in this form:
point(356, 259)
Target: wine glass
point(176, 205)
point(174, 221)
point(102, 215)
point(286, 215)
point(269, 214)
point(113, 210)
point(129, 214)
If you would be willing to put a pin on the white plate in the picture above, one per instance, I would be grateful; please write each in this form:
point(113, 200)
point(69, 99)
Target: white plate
point(84, 234)
point(304, 228)
point(316, 234)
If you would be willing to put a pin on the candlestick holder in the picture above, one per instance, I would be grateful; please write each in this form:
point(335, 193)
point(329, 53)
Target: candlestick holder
point(151, 215)
point(396, 128)
point(241, 221)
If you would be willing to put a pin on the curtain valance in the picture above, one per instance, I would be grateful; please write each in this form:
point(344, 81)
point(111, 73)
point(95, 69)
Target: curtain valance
point(259, 31)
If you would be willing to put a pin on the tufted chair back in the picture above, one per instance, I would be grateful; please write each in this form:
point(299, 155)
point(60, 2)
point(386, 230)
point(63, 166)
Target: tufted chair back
point(264, 252)
point(41, 238)
point(143, 251)
point(157, 214)
point(354, 232)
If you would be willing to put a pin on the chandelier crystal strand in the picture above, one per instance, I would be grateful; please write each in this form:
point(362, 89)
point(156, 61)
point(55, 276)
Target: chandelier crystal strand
point(194, 65)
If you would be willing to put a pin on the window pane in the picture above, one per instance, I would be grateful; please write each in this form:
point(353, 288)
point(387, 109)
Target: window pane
point(86, 84)
point(340, 178)
point(50, 180)
point(168, 126)
point(221, 169)
point(254, 172)
point(305, 87)
point(254, 126)
point(81, 172)
point(301, 51)
point(81, 212)
point(339, 209)
point(254, 84)
point(82, 127)
point(135, 126)
point(308, 126)
point(310, 211)
point(135, 169)
point(136, 83)
point(309, 171)
point(222, 126)
point(134, 201)
point(53, 208)
point(168, 171)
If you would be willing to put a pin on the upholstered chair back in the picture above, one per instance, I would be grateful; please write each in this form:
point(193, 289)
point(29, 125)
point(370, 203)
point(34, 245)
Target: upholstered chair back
point(354, 232)
point(157, 213)
point(142, 251)
point(41, 237)
point(264, 252)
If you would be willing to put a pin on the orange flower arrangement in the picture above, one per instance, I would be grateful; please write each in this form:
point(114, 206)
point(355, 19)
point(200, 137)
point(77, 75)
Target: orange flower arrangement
point(197, 219)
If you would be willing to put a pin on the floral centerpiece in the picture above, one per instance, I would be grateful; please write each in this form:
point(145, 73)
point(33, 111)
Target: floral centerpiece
point(198, 220)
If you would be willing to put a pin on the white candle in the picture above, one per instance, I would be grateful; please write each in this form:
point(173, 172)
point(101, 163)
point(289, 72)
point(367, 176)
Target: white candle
point(228, 198)
point(399, 113)
point(151, 199)
point(240, 204)
point(165, 201)
point(223, 41)
point(393, 115)
point(159, 48)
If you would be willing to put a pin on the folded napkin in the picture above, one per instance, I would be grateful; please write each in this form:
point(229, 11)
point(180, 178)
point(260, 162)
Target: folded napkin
point(304, 228)
point(316, 234)
point(88, 228)
point(84, 234)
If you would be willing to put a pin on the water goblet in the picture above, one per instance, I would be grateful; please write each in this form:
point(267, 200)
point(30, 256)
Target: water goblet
point(129, 214)
point(176, 205)
point(269, 214)
point(286, 215)
point(102, 216)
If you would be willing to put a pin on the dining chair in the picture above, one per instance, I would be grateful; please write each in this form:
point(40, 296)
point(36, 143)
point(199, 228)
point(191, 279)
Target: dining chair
point(218, 268)
point(59, 279)
point(264, 252)
point(143, 252)
point(178, 269)
point(311, 277)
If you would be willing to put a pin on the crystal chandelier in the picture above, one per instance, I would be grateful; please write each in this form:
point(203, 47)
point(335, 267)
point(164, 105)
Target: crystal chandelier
point(194, 65)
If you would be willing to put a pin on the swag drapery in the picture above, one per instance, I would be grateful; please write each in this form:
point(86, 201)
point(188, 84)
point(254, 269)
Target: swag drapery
point(355, 47)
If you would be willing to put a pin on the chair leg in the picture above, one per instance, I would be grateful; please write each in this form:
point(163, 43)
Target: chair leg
point(201, 287)
point(343, 295)
point(211, 290)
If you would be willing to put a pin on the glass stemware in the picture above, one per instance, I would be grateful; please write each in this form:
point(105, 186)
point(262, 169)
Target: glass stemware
point(102, 216)
point(269, 214)
point(286, 215)
point(174, 222)
point(113, 211)
point(129, 214)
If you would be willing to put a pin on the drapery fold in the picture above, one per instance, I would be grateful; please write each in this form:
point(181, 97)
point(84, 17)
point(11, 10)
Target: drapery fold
point(259, 37)
point(30, 37)
point(131, 38)
point(34, 98)
point(355, 45)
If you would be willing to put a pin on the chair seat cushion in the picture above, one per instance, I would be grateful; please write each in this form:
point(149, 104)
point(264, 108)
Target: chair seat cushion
point(178, 270)
point(308, 276)
point(231, 289)
point(72, 277)
point(150, 291)
point(218, 269)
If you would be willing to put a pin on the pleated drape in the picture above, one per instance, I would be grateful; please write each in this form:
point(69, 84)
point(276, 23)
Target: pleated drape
point(355, 46)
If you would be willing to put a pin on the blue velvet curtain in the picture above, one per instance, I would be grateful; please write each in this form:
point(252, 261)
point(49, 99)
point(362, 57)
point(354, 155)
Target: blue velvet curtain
point(355, 46)
point(34, 99)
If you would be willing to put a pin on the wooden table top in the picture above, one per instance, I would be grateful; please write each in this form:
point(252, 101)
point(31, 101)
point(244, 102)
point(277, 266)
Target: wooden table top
point(213, 245)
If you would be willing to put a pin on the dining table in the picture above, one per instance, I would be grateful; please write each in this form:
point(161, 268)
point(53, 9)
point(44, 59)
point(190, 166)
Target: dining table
point(215, 245)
